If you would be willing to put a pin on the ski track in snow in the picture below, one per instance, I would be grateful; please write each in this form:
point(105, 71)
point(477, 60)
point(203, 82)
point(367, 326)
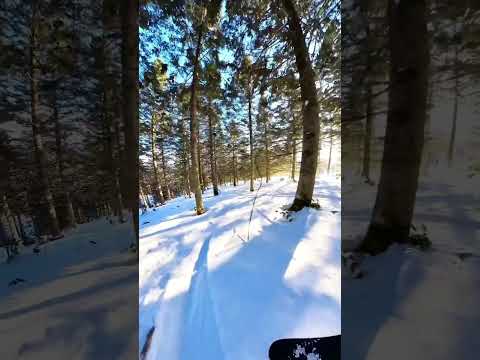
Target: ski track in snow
point(210, 295)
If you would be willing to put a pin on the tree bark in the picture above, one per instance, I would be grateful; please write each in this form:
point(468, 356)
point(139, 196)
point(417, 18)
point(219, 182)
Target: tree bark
point(130, 99)
point(213, 160)
point(310, 110)
point(195, 179)
point(70, 214)
point(408, 45)
point(330, 149)
point(40, 151)
point(156, 176)
point(368, 134)
point(250, 132)
point(165, 188)
point(453, 132)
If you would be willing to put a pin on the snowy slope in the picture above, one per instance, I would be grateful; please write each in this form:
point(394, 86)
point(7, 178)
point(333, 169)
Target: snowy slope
point(76, 299)
point(216, 288)
point(412, 304)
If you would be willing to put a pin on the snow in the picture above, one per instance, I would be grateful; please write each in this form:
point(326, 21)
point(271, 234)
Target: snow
point(76, 301)
point(215, 288)
point(412, 304)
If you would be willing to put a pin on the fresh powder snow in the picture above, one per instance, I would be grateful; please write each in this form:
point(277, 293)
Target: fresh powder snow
point(219, 287)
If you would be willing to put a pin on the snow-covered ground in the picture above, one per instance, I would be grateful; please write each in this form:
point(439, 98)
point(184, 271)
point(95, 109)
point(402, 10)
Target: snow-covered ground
point(413, 304)
point(216, 288)
point(77, 298)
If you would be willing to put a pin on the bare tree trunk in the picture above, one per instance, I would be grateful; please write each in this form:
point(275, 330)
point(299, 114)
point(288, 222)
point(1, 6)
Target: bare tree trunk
point(70, 214)
point(156, 176)
point(293, 140)
point(310, 110)
point(165, 189)
point(451, 143)
point(331, 145)
point(250, 132)
point(368, 135)
point(195, 178)
point(213, 160)
point(408, 43)
point(130, 100)
point(234, 164)
point(40, 151)
point(267, 152)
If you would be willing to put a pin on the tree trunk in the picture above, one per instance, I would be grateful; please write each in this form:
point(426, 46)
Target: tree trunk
point(130, 100)
point(451, 143)
point(331, 146)
point(211, 142)
point(156, 176)
point(70, 221)
point(408, 44)
point(310, 109)
point(201, 172)
point(250, 132)
point(195, 178)
point(267, 151)
point(368, 134)
point(234, 164)
point(165, 188)
point(40, 151)
point(294, 145)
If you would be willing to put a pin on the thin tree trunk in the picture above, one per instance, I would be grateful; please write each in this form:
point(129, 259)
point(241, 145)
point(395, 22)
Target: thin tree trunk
point(330, 150)
point(40, 151)
point(250, 132)
point(70, 218)
point(267, 152)
point(165, 189)
point(195, 178)
point(368, 134)
point(451, 143)
point(294, 145)
point(234, 164)
point(310, 110)
point(213, 160)
point(201, 172)
point(156, 176)
point(408, 44)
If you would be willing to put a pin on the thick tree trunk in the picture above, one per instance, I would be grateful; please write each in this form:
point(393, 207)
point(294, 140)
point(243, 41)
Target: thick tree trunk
point(310, 110)
point(213, 160)
point(250, 132)
point(195, 178)
point(130, 99)
point(408, 43)
point(40, 151)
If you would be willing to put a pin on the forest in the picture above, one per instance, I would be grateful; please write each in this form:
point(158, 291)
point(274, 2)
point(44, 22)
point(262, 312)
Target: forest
point(239, 176)
point(69, 116)
point(410, 166)
point(223, 101)
point(68, 159)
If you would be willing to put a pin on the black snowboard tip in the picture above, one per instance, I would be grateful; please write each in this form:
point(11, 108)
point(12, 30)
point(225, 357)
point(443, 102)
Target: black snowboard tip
point(327, 348)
